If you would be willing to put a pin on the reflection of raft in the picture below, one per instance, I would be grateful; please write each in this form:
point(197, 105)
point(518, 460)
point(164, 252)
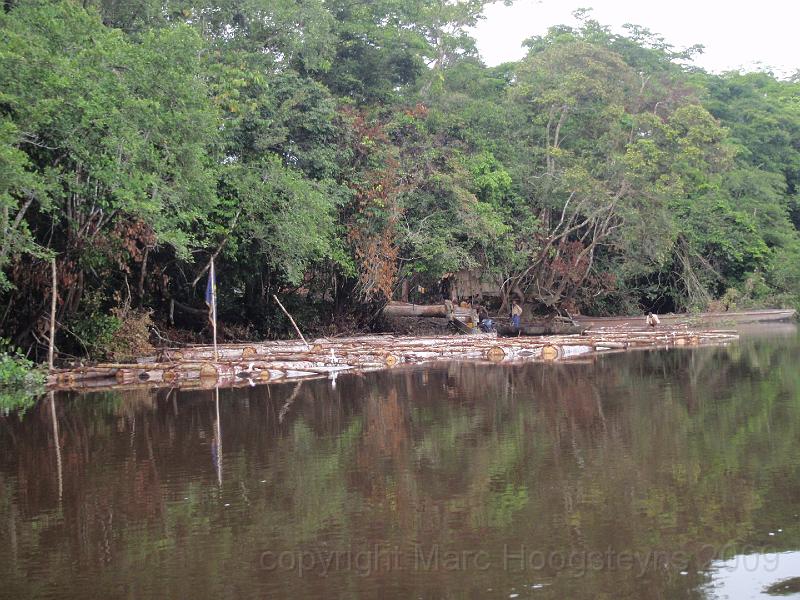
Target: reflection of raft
point(239, 364)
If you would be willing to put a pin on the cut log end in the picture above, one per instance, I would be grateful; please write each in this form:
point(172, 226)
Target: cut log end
point(550, 352)
point(208, 371)
point(496, 354)
point(67, 379)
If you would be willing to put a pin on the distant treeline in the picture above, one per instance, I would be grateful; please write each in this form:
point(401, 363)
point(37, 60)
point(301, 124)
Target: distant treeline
point(327, 150)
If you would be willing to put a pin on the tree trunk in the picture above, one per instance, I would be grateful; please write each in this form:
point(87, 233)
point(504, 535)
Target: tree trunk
point(404, 290)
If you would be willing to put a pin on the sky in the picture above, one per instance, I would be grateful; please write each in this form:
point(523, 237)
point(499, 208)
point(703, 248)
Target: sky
point(763, 35)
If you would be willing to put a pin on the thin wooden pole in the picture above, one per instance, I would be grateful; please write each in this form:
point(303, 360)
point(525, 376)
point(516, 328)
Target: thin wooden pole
point(296, 328)
point(213, 276)
point(51, 348)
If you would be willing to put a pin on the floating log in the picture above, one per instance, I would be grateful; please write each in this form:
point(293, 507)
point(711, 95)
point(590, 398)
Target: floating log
point(225, 352)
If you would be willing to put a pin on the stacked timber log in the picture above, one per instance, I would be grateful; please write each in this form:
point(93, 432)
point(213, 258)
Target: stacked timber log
point(463, 318)
point(446, 309)
point(248, 364)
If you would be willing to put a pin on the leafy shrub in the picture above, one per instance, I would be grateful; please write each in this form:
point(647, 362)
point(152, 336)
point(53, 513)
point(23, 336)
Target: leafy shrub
point(122, 335)
point(21, 381)
point(95, 333)
point(15, 369)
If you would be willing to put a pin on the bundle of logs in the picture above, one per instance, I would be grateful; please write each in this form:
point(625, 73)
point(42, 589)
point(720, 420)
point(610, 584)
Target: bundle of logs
point(246, 364)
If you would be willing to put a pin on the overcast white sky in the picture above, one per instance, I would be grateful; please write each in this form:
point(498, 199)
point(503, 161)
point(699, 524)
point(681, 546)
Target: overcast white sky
point(736, 33)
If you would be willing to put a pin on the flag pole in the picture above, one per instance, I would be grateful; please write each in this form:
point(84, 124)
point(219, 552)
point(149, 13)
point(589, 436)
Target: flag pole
point(214, 308)
point(53, 295)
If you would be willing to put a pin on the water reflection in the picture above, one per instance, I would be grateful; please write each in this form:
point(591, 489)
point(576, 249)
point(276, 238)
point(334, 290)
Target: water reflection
point(56, 443)
point(760, 575)
point(216, 444)
point(629, 477)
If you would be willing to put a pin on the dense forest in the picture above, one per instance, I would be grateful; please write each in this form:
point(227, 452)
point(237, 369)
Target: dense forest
point(327, 150)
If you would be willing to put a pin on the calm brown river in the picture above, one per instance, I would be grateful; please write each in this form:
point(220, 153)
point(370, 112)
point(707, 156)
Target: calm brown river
point(665, 474)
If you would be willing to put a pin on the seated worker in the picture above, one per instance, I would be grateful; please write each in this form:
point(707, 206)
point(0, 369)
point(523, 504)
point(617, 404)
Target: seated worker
point(485, 324)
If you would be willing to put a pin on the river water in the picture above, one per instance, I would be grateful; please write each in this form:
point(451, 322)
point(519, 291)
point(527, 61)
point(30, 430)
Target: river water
point(660, 474)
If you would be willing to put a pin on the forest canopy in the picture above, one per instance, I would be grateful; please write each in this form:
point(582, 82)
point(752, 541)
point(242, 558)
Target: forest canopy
point(327, 151)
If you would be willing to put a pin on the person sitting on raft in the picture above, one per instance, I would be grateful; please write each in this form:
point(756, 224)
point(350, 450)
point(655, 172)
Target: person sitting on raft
point(485, 324)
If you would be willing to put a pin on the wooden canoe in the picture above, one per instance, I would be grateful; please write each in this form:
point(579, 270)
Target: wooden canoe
point(530, 329)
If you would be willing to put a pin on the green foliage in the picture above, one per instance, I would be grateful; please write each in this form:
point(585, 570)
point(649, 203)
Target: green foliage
point(287, 219)
point(327, 149)
point(93, 330)
point(491, 181)
point(18, 188)
point(15, 369)
point(104, 131)
point(95, 333)
point(21, 381)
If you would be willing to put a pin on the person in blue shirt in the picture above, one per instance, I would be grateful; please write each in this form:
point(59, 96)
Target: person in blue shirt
point(516, 314)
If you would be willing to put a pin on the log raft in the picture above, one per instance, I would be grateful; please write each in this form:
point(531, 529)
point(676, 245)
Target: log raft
point(248, 364)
